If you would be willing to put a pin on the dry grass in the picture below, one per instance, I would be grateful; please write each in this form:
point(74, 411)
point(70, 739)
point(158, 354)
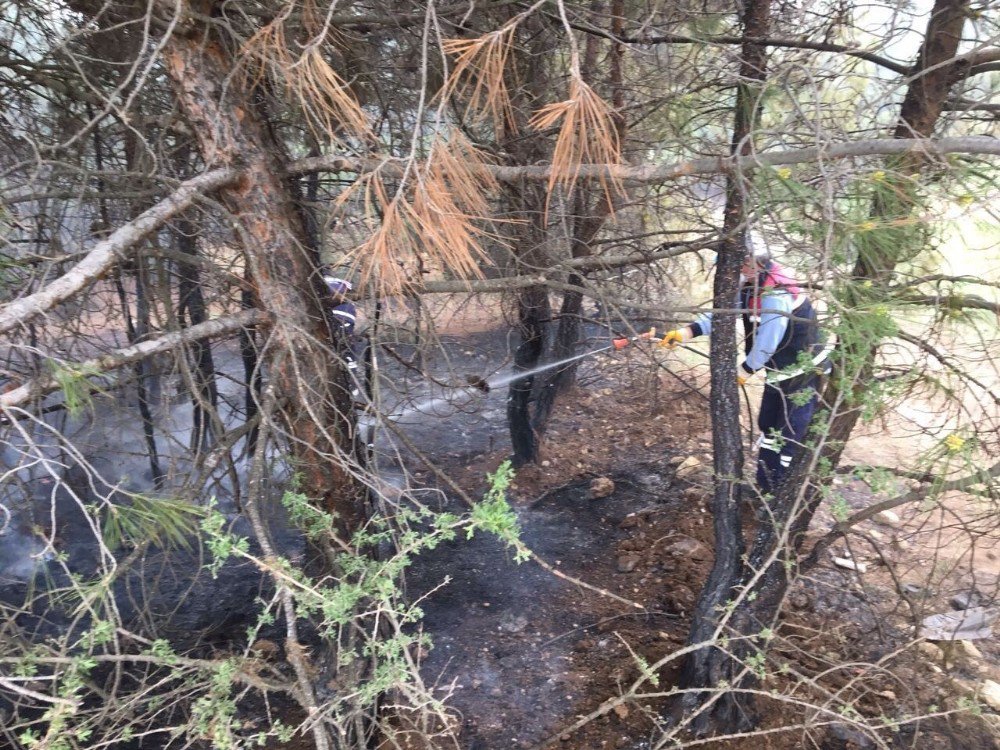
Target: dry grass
point(587, 135)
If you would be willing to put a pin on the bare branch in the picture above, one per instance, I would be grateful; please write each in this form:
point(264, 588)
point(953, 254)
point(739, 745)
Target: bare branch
point(954, 301)
point(981, 145)
point(842, 527)
point(862, 54)
point(108, 251)
point(130, 354)
point(948, 362)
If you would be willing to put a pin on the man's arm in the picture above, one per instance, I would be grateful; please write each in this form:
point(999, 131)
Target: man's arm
point(702, 325)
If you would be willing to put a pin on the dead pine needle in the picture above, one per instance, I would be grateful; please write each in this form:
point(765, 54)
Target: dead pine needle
point(435, 215)
point(587, 135)
point(326, 100)
point(478, 75)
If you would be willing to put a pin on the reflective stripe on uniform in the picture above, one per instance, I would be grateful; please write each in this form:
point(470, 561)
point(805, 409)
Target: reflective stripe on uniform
point(797, 302)
point(768, 444)
point(779, 375)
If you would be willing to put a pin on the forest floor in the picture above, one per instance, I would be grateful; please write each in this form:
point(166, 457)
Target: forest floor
point(618, 506)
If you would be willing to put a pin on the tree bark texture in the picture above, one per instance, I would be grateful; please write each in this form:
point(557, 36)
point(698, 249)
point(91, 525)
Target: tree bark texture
point(318, 418)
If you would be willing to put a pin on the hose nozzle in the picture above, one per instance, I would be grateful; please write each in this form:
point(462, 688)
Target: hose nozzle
point(622, 342)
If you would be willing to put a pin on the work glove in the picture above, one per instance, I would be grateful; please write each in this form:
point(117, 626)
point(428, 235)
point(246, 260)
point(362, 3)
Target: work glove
point(619, 343)
point(742, 379)
point(679, 336)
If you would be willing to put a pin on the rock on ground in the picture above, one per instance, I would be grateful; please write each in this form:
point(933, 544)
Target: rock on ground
point(601, 487)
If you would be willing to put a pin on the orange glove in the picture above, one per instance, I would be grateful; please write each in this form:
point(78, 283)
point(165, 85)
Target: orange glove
point(742, 379)
point(619, 343)
point(679, 336)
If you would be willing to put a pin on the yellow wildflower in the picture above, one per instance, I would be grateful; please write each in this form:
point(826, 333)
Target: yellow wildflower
point(878, 175)
point(867, 226)
point(954, 443)
point(784, 173)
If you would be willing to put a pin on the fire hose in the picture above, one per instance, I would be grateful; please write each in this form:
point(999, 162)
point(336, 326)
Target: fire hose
point(620, 343)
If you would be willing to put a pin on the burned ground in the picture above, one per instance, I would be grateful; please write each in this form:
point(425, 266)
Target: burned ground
point(522, 654)
point(617, 508)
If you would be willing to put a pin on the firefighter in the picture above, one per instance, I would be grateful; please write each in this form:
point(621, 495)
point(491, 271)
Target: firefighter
point(783, 339)
point(344, 316)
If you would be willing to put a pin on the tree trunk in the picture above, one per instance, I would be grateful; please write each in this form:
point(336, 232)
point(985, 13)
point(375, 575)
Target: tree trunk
point(709, 666)
point(230, 132)
point(920, 111)
point(778, 542)
point(526, 204)
point(567, 335)
point(534, 314)
point(586, 223)
point(191, 306)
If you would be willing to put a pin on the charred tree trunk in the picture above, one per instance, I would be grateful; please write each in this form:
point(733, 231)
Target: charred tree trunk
point(534, 314)
point(192, 310)
point(587, 223)
point(252, 376)
point(134, 330)
point(307, 207)
point(778, 541)
point(526, 204)
point(142, 369)
point(230, 132)
point(567, 335)
point(710, 666)
point(797, 501)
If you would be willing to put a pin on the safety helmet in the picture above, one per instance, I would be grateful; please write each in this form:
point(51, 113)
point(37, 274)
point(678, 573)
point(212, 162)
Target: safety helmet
point(756, 249)
point(337, 285)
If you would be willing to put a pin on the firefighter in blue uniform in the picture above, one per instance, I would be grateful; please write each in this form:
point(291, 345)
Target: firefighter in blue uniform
point(344, 316)
point(780, 324)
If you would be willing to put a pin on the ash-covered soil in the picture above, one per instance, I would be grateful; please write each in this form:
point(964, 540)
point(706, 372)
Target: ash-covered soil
point(619, 502)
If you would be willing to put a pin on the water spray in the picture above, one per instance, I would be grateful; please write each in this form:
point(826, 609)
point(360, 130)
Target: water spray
point(478, 383)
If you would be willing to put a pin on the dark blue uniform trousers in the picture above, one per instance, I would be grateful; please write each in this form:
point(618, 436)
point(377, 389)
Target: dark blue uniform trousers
point(783, 423)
